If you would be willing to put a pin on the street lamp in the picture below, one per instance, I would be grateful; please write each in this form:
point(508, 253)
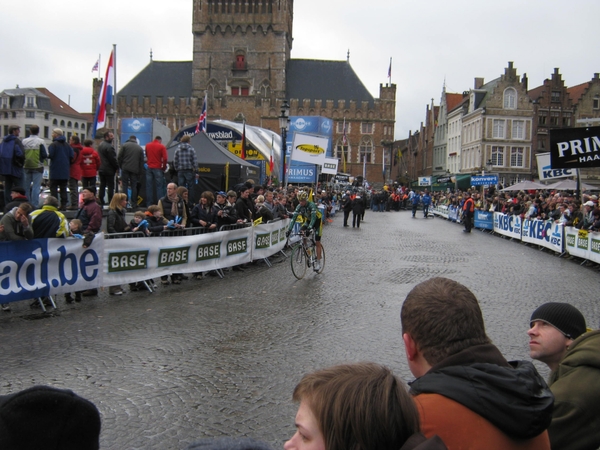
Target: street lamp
point(284, 125)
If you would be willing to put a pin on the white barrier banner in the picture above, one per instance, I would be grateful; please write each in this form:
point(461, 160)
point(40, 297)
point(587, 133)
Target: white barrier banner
point(137, 259)
point(269, 238)
point(583, 244)
point(507, 225)
point(545, 233)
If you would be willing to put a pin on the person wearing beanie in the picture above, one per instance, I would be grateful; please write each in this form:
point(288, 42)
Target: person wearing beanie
point(48, 418)
point(558, 337)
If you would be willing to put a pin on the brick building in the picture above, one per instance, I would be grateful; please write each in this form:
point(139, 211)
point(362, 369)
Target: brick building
point(241, 61)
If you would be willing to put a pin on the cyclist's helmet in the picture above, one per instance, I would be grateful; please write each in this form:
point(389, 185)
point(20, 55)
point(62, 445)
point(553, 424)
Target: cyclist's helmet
point(302, 196)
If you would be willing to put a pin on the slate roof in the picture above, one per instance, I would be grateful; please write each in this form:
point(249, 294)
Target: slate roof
point(160, 79)
point(17, 98)
point(306, 79)
point(59, 107)
point(326, 80)
point(536, 93)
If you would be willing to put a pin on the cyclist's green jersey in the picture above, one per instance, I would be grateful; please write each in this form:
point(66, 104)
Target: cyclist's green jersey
point(310, 214)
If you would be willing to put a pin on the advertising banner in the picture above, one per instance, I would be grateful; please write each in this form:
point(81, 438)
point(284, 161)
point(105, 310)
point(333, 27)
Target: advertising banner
point(309, 148)
point(484, 180)
point(583, 244)
point(42, 267)
point(575, 147)
point(330, 166)
point(140, 128)
point(424, 181)
point(544, 233)
point(269, 238)
point(129, 260)
point(507, 225)
point(546, 172)
point(484, 220)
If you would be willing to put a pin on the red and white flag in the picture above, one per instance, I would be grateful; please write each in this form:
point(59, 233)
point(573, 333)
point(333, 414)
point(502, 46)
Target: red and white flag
point(105, 97)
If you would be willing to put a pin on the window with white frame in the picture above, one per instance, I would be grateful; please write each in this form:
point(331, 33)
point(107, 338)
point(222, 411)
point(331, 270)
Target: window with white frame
point(340, 127)
point(5, 104)
point(517, 156)
point(341, 151)
point(366, 128)
point(30, 102)
point(498, 156)
point(510, 98)
point(498, 129)
point(518, 129)
point(365, 151)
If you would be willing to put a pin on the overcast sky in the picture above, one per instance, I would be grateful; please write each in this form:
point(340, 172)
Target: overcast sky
point(55, 45)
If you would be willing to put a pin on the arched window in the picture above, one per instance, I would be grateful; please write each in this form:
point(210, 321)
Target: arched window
point(69, 124)
point(341, 152)
point(365, 152)
point(62, 123)
point(510, 98)
point(76, 125)
point(55, 122)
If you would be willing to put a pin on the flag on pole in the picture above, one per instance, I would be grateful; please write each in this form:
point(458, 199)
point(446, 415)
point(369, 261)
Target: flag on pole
point(105, 97)
point(344, 144)
point(201, 127)
point(96, 66)
point(271, 164)
point(364, 167)
point(243, 154)
point(390, 70)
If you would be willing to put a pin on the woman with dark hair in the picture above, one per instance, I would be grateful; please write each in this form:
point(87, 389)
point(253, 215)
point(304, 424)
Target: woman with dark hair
point(202, 215)
point(184, 194)
point(356, 406)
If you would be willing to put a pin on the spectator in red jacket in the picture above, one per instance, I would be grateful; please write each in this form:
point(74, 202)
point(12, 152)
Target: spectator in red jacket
point(75, 173)
point(156, 160)
point(90, 163)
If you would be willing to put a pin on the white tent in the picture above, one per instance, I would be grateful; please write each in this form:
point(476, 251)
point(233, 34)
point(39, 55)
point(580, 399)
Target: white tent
point(570, 185)
point(525, 186)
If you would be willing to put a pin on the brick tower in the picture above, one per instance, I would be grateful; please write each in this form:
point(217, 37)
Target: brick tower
point(241, 48)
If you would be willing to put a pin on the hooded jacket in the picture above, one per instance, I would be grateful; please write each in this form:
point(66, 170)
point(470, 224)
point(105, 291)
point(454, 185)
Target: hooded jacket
point(60, 156)
point(75, 169)
point(90, 162)
point(576, 388)
point(10, 144)
point(476, 399)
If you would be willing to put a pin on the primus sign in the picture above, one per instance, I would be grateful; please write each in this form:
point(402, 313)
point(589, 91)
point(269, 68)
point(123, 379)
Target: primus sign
point(575, 147)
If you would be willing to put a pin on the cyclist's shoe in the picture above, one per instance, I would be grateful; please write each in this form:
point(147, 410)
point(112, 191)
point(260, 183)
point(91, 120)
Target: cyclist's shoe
point(317, 266)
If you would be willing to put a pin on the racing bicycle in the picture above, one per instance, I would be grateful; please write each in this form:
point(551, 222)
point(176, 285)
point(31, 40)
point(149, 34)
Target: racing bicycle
point(304, 254)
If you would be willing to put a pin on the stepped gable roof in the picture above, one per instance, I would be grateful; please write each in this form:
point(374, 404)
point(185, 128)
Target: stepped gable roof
point(452, 101)
point(160, 79)
point(325, 80)
point(57, 106)
point(576, 92)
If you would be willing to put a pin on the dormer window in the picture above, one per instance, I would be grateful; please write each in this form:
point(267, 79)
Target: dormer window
point(30, 101)
point(5, 103)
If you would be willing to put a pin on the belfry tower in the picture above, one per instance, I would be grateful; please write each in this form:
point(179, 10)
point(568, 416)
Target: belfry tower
point(241, 49)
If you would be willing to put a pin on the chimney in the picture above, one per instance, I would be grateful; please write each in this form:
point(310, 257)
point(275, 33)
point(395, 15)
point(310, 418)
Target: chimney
point(524, 81)
point(478, 83)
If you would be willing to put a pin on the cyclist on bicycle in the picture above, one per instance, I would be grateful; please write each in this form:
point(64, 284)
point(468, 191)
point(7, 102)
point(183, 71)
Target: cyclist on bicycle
point(312, 220)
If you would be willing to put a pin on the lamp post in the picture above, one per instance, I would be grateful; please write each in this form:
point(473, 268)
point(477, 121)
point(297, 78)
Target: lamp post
point(284, 125)
point(488, 165)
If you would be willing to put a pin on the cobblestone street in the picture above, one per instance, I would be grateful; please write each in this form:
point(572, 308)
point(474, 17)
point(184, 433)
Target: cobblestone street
point(221, 357)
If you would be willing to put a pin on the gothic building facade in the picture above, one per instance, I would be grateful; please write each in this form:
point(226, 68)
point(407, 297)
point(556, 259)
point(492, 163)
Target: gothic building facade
point(242, 64)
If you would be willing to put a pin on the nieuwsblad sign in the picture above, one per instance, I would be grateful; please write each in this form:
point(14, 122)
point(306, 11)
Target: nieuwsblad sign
point(575, 147)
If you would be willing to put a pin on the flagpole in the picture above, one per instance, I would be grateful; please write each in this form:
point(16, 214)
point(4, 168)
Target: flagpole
point(99, 64)
point(114, 105)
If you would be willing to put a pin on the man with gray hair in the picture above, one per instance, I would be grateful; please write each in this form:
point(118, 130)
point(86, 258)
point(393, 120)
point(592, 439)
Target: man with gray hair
point(49, 222)
point(60, 155)
point(558, 337)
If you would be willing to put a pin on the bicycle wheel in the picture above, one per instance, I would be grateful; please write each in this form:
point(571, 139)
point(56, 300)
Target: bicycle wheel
point(298, 261)
point(322, 259)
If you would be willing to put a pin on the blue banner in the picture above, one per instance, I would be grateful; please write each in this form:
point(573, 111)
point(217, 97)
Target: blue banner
point(484, 180)
point(484, 219)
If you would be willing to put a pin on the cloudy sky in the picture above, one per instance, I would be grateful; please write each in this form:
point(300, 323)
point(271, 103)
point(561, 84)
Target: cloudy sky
point(55, 45)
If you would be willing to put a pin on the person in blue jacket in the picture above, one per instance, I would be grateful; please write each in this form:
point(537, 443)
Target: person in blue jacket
point(60, 155)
